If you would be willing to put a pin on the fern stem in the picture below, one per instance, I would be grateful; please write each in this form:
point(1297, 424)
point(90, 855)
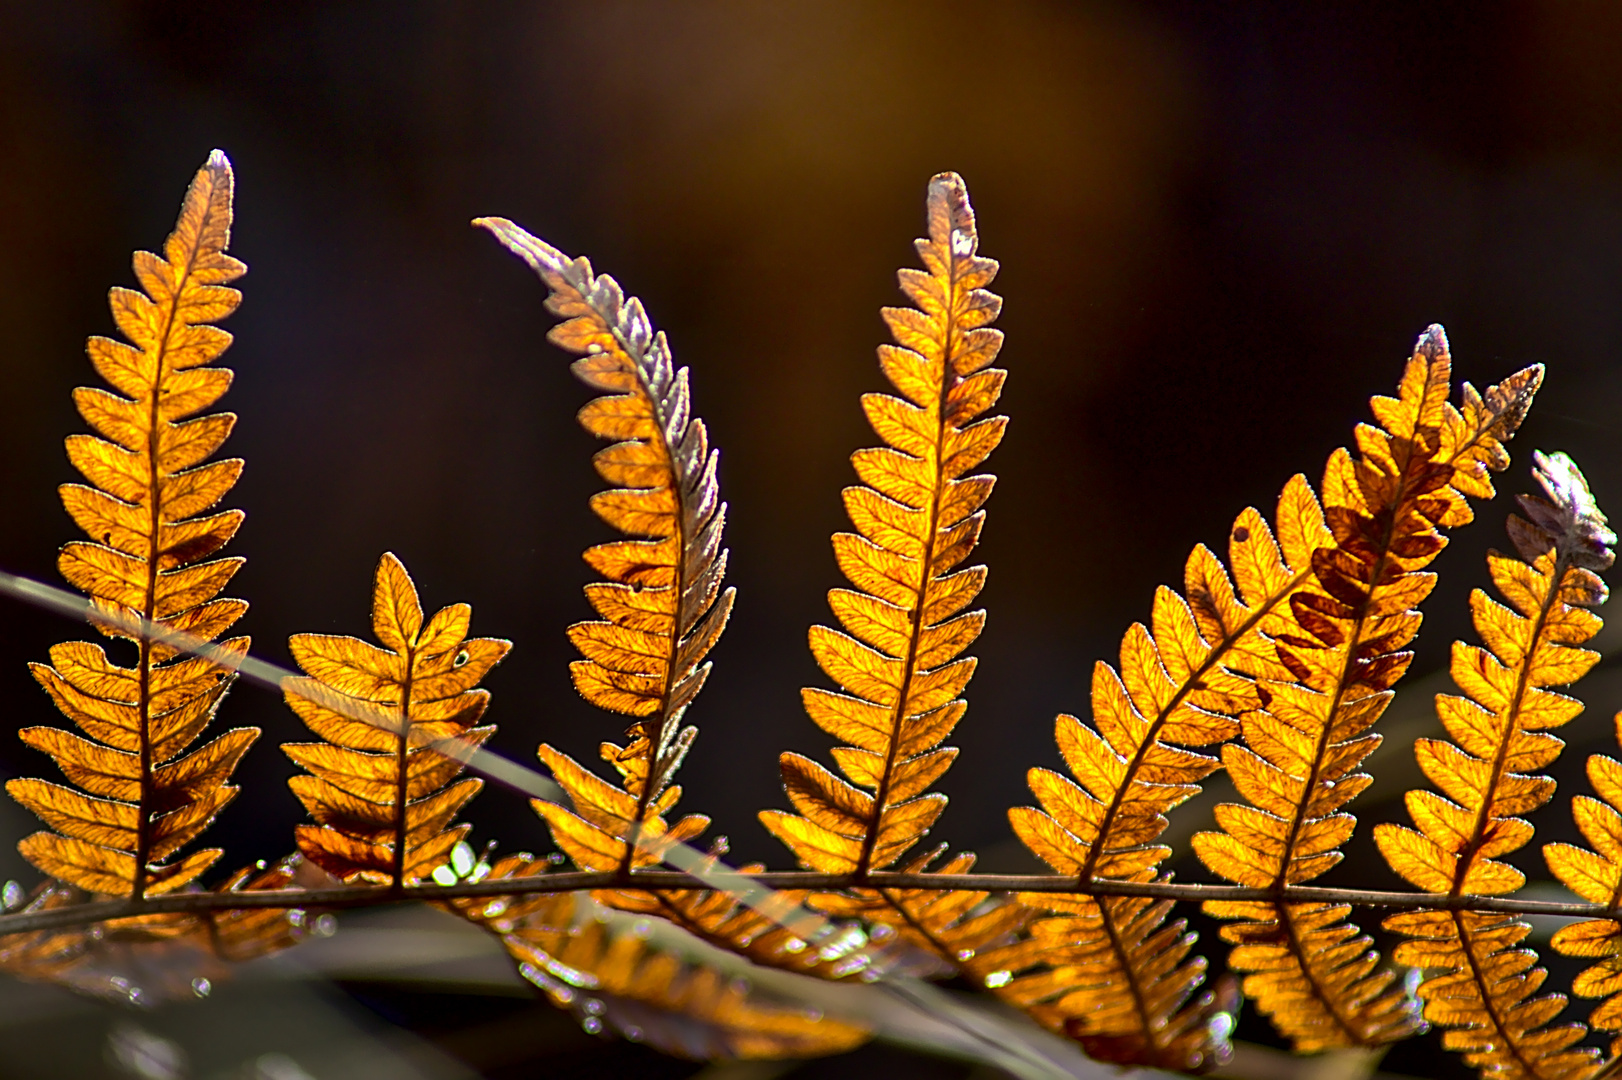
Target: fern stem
point(669, 880)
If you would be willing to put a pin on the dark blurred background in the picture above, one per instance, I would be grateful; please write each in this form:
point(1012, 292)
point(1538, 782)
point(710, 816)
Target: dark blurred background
point(1221, 227)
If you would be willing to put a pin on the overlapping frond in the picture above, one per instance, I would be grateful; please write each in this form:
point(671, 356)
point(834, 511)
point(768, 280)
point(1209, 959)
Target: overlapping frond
point(1183, 683)
point(662, 604)
point(642, 990)
point(1479, 984)
point(1343, 638)
point(383, 802)
point(918, 516)
point(238, 934)
point(139, 796)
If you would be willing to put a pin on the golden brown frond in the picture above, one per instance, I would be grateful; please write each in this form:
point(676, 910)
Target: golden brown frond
point(662, 604)
point(1110, 974)
point(643, 991)
point(1478, 983)
point(917, 516)
point(1343, 637)
point(384, 807)
point(139, 797)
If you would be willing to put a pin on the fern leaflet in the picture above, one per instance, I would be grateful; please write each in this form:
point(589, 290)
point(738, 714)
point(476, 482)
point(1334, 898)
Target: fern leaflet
point(147, 798)
point(1342, 638)
point(1184, 682)
point(918, 516)
point(1478, 982)
point(383, 807)
point(663, 607)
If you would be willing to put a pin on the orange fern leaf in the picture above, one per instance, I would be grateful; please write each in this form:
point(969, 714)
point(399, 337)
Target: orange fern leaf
point(662, 604)
point(918, 517)
point(382, 801)
point(1478, 982)
point(1342, 638)
point(147, 798)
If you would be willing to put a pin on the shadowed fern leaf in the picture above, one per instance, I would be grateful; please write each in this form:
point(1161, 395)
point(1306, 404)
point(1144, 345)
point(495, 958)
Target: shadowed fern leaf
point(147, 798)
point(1342, 638)
point(663, 607)
point(1478, 983)
point(382, 801)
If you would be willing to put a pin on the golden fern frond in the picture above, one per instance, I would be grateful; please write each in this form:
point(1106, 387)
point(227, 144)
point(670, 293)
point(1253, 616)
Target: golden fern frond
point(1342, 637)
point(147, 798)
point(644, 991)
point(918, 516)
point(662, 604)
point(1477, 982)
point(384, 807)
point(1182, 683)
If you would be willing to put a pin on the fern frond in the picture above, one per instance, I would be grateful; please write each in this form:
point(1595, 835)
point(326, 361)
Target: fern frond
point(1342, 637)
point(1478, 983)
point(1185, 682)
point(662, 604)
point(140, 797)
point(918, 516)
point(383, 807)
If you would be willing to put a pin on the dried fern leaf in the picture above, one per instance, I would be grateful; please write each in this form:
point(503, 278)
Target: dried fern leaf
point(1478, 983)
point(139, 797)
point(1183, 682)
point(662, 603)
point(1343, 637)
point(640, 990)
point(384, 803)
point(917, 516)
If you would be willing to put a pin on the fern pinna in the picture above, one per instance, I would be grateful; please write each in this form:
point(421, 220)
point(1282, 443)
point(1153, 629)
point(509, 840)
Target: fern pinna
point(918, 516)
point(1478, 984)
point(1342, 637)
point(383, 801)
point(147, 559)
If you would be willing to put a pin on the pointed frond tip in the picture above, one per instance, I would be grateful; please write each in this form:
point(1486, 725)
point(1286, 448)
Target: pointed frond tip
point(662, 604)
point(1567, 519)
